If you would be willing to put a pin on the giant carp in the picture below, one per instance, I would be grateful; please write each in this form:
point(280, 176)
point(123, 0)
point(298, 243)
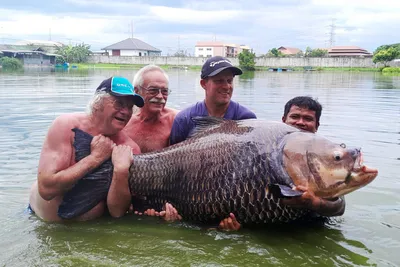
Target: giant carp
point(241, 167)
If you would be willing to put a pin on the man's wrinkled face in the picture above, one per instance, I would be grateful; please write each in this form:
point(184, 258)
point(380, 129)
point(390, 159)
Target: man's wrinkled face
point(154, 90)
point(117, 111)
point(302, 118)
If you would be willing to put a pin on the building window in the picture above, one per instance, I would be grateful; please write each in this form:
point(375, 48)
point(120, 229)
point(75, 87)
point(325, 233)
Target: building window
point(209, 55)
point(208, 49)
point(200, 49)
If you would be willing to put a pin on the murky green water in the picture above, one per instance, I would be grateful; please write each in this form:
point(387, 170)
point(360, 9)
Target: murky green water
point(360, 109)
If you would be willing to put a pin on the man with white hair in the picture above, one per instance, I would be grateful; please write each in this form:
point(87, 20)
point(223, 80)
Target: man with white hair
point(108, 113)
point(150, 126)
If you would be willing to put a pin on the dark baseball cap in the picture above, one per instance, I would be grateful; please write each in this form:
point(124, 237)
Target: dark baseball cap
point(215, 65)
point(120, 86)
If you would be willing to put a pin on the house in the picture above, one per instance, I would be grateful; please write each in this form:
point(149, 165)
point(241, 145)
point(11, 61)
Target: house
point(132, 47)
point(29, 55)
point(211, 49)
point(348, 51)
point(289, 51)
point(47, 46)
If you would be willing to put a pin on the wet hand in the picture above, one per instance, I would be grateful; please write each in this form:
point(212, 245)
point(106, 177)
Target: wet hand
point(101, 148)
point(122, 157)
point(170, 214)
point(229, 224)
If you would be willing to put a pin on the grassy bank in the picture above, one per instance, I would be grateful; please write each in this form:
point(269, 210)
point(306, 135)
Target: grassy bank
point(325, 69)
point(138, 66)
point(391, 70)
point(128, 66)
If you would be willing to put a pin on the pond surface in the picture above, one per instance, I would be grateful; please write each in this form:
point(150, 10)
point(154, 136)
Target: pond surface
point(360, 109)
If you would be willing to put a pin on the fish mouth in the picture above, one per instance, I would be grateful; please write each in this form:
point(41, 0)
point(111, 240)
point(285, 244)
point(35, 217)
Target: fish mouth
point(361, 174)
point(359, 166)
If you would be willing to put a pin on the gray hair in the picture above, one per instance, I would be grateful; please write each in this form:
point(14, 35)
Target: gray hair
point(96, 102)
point(138, 78)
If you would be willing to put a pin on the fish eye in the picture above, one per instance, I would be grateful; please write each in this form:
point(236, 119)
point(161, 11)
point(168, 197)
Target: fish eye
point(337, 155)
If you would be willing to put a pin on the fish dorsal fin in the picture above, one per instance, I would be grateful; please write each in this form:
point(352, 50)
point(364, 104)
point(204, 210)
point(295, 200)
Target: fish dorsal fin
point(204, 123)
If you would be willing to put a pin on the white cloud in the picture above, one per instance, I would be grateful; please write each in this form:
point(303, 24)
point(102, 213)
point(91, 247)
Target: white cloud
point(257, 23)
point(190, 16)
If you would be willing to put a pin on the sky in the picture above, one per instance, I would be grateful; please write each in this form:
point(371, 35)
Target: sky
point(173, 25)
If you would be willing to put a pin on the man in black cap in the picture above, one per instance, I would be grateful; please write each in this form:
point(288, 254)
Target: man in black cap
point(108, 112)
point(217, 76)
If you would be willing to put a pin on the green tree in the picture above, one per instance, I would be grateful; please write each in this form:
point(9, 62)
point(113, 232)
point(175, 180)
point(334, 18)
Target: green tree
point(386, 55)
point(384, 47)
point(74, 54)
point(10, 63)
point(274, 53)
point(247, 60)
point(315, 52)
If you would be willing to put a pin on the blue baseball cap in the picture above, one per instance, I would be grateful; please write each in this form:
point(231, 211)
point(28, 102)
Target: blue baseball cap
point(120, 86)
point(215, 65)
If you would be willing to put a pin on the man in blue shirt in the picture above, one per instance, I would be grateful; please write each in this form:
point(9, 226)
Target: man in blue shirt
point(217, 76)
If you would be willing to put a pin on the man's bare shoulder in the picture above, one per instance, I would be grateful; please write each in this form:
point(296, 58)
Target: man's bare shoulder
point(70, 120)
point(170, 112)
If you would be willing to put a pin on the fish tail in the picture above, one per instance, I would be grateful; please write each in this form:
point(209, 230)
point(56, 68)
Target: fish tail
point(90, 189)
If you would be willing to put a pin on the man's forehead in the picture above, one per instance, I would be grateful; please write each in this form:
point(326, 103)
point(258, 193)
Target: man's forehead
point(154, 76)
point(301, 109)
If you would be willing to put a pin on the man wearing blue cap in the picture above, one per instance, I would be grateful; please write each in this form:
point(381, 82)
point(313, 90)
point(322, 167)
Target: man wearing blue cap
point(108, 112)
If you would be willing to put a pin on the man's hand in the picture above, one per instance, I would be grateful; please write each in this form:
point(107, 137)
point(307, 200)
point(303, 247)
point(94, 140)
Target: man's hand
point(101, 148)
point(324, 207)
point(122, 157)
point(229, 224)
point(169, 213)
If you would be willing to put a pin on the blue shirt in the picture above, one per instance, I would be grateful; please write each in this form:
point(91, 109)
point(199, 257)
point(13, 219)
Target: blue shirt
point(183, 123)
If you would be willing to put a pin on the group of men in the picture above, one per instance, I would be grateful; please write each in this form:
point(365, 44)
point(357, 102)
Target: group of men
point(118, 132)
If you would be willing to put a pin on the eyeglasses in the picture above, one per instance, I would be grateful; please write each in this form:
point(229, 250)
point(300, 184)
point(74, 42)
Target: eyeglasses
point(155, 91)
point(119, 103)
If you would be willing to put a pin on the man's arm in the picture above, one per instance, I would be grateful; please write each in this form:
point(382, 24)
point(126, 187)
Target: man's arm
point(55, 173)
point(119, 195)
point(176, 135)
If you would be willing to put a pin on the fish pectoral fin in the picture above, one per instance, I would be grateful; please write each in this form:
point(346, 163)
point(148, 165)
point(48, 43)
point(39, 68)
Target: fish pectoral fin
point(90, 189)
point(285, 190)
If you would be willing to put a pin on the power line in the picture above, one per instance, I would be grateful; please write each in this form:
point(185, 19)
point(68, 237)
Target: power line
point(332, 33)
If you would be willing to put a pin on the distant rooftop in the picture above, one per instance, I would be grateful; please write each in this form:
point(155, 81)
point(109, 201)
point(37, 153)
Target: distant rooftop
point(289, 50)
point(39, 43)
point(131, 44)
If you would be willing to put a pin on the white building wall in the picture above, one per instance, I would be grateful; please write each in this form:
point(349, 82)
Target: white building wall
point(204, 52)
point(133, 53)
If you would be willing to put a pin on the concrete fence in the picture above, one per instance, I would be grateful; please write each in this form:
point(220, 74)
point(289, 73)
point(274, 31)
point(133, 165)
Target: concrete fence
point(342, 62)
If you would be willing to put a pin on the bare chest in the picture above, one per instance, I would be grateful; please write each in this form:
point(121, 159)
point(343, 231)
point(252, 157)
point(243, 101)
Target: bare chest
point(150, 137)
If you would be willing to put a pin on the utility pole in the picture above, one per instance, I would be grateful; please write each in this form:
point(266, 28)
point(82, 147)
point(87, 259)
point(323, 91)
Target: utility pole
point(332, 33)
point(131, 28)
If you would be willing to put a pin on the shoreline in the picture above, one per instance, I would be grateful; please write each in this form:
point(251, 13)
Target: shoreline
point(186, 67)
